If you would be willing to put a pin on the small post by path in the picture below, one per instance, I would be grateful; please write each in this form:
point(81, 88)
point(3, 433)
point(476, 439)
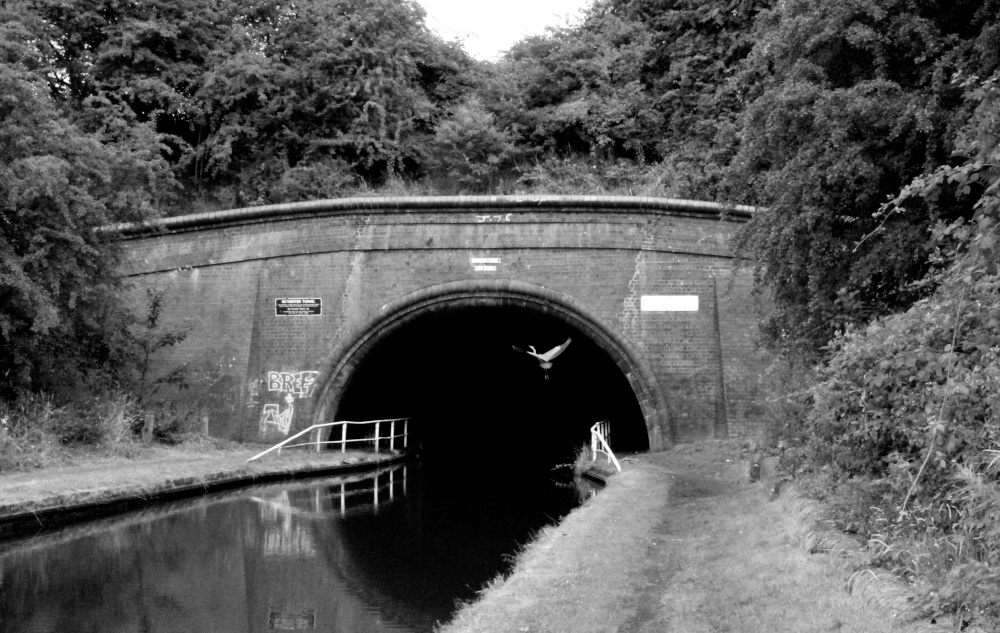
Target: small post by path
point(147, 428)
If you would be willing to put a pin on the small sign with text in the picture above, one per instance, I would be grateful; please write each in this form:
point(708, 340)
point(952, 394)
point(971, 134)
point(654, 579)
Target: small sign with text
point(298, 307)
point(484, 264)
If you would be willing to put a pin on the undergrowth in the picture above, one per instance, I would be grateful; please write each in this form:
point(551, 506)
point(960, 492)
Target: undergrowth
point(36, 433)
point(899, 431)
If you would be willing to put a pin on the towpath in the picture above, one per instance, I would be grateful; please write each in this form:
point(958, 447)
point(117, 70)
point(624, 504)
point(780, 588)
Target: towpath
point(37, 499)
point(679, 542)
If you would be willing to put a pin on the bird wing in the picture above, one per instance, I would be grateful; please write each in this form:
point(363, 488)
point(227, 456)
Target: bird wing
point(530, 352)
point(555, 351)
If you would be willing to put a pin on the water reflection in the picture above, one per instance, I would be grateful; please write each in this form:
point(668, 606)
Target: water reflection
point(390, 551)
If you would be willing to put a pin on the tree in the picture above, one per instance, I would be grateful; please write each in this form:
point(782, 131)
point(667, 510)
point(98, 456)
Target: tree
point(326, 86)
point(845, 103)
point(60, 314)
point(469, 150)
point(257, 100)
point(639, 79)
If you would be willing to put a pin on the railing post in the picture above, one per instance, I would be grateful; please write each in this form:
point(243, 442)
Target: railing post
point(392, 436)
point(406, 432)
point(343, 437)
point(377, 424)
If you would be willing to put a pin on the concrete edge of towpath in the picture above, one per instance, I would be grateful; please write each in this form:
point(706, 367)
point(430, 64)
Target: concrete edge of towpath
point(48, 510)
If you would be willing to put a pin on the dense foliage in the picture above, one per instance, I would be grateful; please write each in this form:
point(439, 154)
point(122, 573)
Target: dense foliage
point(62, 175)
point(258, 101)
point(642, 80)
point(846, 102)
point(910, 402)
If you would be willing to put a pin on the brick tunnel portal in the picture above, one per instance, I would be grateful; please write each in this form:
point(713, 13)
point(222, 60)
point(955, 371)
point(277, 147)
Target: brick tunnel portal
point(415, 302)
point(456, 373)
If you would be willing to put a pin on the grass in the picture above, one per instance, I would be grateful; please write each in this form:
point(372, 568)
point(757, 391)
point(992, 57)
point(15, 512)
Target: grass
point(678, 542)
point(37, 434)
point(742, 568)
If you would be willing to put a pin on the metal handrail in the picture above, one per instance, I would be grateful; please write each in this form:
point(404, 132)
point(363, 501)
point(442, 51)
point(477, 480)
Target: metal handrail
point(344, 440)
point(598, 434)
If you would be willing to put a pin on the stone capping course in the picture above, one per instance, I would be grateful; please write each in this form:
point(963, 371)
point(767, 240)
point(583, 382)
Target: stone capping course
point(391, 204)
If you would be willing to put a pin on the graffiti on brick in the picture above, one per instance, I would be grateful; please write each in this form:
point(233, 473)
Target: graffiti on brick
point(503, 217)
point(274, 415)
point(291, 385)
point(299, 384)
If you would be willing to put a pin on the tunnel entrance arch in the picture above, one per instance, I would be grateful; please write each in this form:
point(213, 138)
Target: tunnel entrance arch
point(348, 357)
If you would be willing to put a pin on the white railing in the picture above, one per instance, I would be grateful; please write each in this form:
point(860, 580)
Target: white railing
point(375, 440)
point(600, 435)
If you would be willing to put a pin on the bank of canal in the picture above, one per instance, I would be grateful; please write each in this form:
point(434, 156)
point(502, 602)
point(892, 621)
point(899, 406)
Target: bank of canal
point(42, 499)
point(680, 541)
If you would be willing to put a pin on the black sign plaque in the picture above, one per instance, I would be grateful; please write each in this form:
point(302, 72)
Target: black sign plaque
point(298, 307)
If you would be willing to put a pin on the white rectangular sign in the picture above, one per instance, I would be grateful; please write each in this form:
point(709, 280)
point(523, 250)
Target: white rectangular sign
point(669, 303)
point(484, 260)
point(481, 268)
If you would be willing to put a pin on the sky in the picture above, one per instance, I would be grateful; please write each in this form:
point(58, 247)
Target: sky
point(488, 27)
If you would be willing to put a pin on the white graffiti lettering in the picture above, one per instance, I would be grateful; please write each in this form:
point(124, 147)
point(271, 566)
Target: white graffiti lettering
point(494, 218)
point(299, 384)
point(274, 416)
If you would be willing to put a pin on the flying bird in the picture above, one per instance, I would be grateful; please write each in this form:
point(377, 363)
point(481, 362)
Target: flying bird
point(545, 360)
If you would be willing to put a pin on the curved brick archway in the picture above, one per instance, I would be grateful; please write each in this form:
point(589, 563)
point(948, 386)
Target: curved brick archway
point(348, 356)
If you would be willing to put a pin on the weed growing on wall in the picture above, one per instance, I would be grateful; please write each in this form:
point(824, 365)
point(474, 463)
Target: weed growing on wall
point(147, 337)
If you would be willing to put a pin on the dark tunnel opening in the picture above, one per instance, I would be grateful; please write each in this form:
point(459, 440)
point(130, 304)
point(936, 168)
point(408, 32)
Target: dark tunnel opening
point(493, 436)
point(472, 396)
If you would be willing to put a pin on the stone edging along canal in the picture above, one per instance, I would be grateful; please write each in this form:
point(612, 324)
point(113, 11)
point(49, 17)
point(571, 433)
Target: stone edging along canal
point(54, 498)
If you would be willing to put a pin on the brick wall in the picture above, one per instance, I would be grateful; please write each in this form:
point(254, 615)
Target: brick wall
point(256, 373)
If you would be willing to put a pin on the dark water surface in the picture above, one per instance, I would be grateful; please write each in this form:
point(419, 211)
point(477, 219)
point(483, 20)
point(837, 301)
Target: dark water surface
point(335, 554)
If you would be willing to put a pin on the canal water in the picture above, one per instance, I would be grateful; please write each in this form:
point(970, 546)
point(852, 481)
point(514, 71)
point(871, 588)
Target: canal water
point(388, 551)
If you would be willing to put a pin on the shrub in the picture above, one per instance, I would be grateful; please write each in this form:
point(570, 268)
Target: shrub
point(35, 433)
point(26, 441)
point(909, 406)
